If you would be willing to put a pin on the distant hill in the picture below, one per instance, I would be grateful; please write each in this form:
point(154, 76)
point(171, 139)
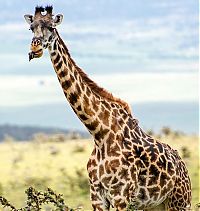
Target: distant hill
point(22, 133)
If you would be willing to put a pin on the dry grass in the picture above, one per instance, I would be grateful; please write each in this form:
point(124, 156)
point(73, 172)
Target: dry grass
point(62, 166)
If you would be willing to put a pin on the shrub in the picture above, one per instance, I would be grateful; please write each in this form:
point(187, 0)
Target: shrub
point(36, 199)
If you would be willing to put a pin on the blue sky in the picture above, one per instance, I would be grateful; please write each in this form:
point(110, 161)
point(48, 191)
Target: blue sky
point(143, 51)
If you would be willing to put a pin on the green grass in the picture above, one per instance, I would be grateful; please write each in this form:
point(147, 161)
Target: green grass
point(62, 167)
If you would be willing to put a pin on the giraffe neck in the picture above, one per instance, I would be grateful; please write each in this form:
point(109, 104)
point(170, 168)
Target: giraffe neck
point(96, 108)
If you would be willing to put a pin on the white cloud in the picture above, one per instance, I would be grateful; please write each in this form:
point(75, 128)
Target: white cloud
point(140, 87)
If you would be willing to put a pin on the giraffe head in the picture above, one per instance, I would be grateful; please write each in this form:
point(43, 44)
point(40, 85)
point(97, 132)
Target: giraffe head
point(42, 24)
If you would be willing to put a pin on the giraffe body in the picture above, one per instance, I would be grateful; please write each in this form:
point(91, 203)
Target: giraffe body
point(127, 168)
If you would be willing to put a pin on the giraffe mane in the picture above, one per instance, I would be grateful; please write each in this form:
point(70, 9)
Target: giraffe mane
point(96, 89)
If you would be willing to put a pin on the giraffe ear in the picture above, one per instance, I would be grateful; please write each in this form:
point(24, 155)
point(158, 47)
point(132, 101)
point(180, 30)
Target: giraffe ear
point(58, 19)
point(28, 18)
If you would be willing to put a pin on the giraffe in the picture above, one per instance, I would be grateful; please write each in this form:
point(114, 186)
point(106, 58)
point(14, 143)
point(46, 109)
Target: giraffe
point(128, 169)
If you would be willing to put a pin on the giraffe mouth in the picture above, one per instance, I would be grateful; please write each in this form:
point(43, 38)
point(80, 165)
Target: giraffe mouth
point(35, 54)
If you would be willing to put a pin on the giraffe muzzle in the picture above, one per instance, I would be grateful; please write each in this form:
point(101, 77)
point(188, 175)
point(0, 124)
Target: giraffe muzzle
point(36, 49)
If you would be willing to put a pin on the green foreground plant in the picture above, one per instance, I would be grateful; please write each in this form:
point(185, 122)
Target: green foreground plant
point(36, 199)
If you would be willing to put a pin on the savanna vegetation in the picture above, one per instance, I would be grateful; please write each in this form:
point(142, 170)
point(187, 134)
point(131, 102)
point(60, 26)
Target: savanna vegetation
point(60, 163)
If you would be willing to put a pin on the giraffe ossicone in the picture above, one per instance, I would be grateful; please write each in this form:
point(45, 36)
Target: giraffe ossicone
point(128, 169)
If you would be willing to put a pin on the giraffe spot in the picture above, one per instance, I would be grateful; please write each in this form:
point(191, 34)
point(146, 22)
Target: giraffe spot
point(59, 65)
point(55, 46)
point(104, 116)
point(126, 191)
point(130, 123)
point(92, 126)
point(91, 163)
point(152, 180)
point(114, 165)
point(115, 126)
point(153, 153)
point(118, 186)
point(72, 78)
point(160, 147)
point(88, 111)
point(101, 170)
point(124, 174)
point(64, 59)
point(107, 105)
point(66, 84)
point(114, 180)
point(137, 141)
point(103, 153)
point(126, 132)
point(101, 134)
point(73, 97)
point(95, 104)
point(170, 168)
point(153, 170)
point(154, 192)
point(163, 179)
point(94, 197)
point(106, 181)
point(93, 175)
point(78, 88)
point(127, 144)
point(137, 150)
point(79, 108)
point(142, 194)
point(98, 155)
point(133, 173)
point(142, 180)
point(83, 117)
point(56, 60)
point(70, 65)
point(144, 159)
point(62, 74)
point(162, 162)
point(112, 148)
point(53, 53)
point(107, 167)
point(59, 48)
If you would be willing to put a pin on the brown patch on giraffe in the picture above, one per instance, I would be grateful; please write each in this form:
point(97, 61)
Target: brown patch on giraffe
point(154, 192)
point(112, 147)
point(91, 163)
point(73, 97)
point(107, 167)
point(93, 175)
point(104, 116)
point(101, 170)
point(142, 194)
point(114, 165)
point(114, 125)
point(106, 181)
point(77, 87)
point(83, 117)
point(88, 111)
point(117, 187)
point(92, 126)
point(124, 174)
point(59, 65)
point(95, 104)
point(66, 84)
point(101, 134)
point(57, 59)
